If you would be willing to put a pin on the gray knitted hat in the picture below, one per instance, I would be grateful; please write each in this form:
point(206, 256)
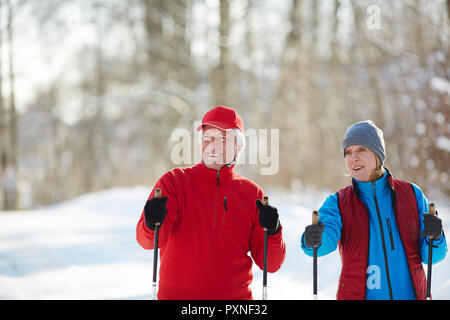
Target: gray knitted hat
point(367, 134)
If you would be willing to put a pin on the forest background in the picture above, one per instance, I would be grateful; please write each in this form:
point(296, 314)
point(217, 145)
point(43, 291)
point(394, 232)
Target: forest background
point(91, 91)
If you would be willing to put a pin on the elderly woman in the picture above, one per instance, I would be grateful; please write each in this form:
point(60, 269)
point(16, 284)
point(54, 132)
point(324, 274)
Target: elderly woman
point(379, 224)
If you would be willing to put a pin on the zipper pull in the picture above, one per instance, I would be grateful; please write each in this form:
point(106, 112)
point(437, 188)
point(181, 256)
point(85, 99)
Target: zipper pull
point(388, 221)
point(391, 237)
point(225, 203)
point(218, 177)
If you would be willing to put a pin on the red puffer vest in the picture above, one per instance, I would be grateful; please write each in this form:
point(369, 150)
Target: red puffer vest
point(354, 242)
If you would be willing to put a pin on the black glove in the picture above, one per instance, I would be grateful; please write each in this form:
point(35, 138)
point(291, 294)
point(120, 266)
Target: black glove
point(313, 235)
point(268, 217)
point(155, 211)
point(432, 226)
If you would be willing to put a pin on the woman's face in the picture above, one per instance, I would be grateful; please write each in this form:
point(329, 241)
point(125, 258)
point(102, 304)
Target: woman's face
point(360, 161)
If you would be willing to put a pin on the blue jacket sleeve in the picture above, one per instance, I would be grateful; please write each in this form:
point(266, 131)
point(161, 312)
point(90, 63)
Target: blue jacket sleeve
point(330, 216)
point(439, 246)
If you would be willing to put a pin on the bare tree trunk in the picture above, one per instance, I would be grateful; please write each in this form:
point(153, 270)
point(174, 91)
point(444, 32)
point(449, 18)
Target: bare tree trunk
point(379, 114)
point(448, 9)
point(219, 75)
point(13, 134)
point(255, 119)
point(290, 99)
point(317, 109)
point(168, 49)
point(102, 158)
point(2, 106)
point(170, 70)
point(3, 127)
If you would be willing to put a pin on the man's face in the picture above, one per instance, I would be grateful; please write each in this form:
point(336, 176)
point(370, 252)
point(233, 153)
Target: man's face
point(218, 147)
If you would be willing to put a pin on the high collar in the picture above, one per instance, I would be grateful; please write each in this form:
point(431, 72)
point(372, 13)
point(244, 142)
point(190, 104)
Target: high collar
point(219, 176)
point(370, 188)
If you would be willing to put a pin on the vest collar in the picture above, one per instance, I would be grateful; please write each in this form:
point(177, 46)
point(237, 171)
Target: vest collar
point(382, 185)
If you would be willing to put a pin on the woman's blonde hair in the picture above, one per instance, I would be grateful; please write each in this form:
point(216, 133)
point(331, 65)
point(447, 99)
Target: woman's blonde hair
point(379, 170)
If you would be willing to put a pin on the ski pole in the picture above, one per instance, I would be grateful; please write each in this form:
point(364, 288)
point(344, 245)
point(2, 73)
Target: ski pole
point(315, 220)
point(265, 202)
point(155, 251)
point(432, 211)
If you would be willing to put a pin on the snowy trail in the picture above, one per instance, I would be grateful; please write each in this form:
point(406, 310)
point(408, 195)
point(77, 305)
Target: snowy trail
point(86, 249)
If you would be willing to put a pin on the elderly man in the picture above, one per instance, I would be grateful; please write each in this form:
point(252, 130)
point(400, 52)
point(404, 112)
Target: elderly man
point(211, 218)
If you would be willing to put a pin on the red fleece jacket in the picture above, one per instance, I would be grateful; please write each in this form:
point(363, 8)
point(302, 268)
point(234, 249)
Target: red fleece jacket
point(211, 226)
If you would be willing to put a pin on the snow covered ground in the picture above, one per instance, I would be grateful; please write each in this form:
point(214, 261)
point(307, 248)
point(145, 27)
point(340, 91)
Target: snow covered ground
point(86, 249)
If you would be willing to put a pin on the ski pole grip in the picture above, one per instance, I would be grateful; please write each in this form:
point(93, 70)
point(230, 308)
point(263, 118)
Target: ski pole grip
point(432, 209)
point(157, 195)
point(265, 202)
point(315, 217)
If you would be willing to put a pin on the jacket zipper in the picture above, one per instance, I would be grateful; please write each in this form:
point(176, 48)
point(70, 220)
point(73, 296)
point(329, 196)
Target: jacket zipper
point(391, 237)
point(382, 240)
point(215, 200)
